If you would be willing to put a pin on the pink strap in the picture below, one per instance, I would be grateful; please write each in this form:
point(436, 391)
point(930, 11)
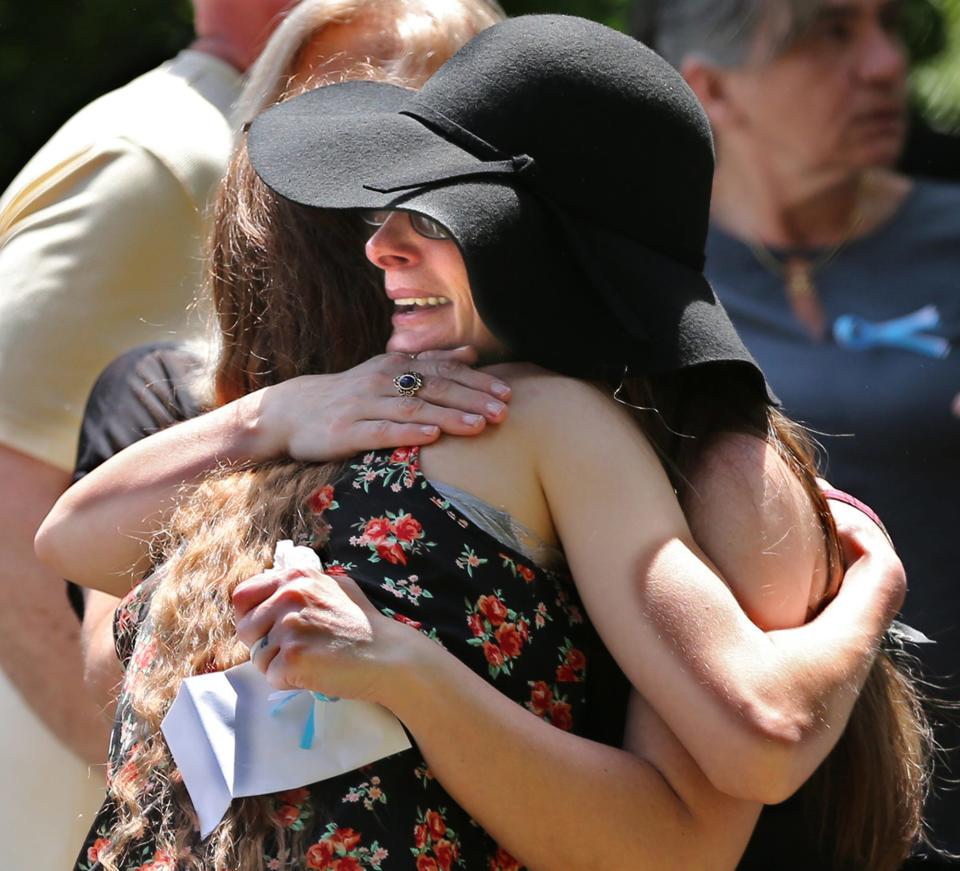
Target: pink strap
point(841, 496)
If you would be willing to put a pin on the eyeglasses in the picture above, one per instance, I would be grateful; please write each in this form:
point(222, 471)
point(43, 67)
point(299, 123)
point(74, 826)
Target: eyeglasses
point(425, 226)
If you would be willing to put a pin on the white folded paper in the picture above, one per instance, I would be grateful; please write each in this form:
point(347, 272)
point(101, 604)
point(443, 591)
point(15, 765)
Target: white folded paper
point(231, 735)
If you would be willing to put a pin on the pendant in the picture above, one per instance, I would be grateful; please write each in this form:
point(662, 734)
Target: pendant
point(802, 292)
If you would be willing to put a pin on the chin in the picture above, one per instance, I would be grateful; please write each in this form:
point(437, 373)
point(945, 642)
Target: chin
point(406, 344)
point(881, 152)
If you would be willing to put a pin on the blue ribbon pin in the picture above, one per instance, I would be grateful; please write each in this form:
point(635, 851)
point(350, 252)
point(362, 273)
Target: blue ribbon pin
point(310, 726)
point(859, 334)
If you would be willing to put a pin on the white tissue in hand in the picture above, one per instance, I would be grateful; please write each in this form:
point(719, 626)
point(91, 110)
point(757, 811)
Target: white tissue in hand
point(287, 555)
point(229, 739)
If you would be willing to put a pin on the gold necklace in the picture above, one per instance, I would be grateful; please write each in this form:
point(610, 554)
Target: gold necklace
point(798, 271)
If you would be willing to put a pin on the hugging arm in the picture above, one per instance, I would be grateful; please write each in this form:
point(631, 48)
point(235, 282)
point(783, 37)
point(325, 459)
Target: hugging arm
point(757, 710)
point(99, 531)
point(552, 799)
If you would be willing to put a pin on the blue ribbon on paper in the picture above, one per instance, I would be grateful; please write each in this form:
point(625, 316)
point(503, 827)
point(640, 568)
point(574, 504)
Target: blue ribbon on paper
point(906, 333)
point(310, 726)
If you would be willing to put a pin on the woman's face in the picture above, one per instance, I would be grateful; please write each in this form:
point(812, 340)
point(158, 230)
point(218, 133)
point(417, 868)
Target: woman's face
point(427, 281)
point(836, 98)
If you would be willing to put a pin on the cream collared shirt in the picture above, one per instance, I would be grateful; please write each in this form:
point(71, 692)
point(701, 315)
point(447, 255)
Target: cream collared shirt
point(100, 241)
point(99, 251)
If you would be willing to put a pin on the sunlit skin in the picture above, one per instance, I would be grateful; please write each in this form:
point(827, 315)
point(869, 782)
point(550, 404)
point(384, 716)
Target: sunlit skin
point(236, 30)
point(844, 82)
point(416, 267)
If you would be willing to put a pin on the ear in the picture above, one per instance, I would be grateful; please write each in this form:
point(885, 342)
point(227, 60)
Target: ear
point(711, 85)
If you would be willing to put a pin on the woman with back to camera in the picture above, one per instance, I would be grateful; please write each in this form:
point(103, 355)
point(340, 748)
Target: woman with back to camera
point(670, 622)
point(153, 386)
point(840, 274)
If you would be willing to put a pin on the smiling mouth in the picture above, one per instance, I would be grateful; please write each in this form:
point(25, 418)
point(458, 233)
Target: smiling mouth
point(418, 303)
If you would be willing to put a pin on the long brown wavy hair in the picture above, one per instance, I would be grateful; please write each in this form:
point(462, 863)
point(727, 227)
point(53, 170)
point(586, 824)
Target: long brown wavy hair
point(294, 295)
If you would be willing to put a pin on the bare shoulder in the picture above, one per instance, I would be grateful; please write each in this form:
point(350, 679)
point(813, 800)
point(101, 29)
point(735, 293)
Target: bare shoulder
point(543, 396)
point(531, 379)
point(754, 519)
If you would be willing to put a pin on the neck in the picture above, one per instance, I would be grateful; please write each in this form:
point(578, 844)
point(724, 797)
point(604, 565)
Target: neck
point(224, 49)
point(759, 204)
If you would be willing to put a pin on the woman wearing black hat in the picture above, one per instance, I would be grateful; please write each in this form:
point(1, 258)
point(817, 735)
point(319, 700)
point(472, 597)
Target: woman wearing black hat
point(544, 208)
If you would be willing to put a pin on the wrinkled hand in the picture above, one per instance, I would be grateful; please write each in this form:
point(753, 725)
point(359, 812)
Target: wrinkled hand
point(330, 417)
point(307, 630)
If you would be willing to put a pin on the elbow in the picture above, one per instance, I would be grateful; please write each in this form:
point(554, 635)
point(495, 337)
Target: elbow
point(49, 546)
point(45, 544)
point(766, 760)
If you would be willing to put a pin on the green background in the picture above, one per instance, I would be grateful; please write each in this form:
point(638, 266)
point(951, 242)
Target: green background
point(55, 56)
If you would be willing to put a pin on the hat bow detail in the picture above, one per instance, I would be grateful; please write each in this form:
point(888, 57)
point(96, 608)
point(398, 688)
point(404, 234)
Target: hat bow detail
point(516, 165)
point(493, 162)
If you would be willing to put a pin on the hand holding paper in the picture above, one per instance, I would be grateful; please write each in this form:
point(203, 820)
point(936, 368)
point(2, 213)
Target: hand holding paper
point(308, 630)
point(231, 735)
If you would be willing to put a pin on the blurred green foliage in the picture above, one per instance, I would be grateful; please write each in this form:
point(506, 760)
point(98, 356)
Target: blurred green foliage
point(57, 55)
point(935, 79)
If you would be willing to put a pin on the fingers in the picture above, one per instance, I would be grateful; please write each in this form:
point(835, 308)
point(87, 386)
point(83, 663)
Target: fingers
point(255, 602)
point(313, 631)
point(419, 409)
point(857, 533)
point(457, 372)
point(447, 381)
point(251, 592)
point(328, 417)
point(441, 388)
point(262, 602)
point(260, 647)
point(457, 403)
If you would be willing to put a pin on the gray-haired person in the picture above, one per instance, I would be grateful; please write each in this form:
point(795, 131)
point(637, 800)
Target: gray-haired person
point(840, 274)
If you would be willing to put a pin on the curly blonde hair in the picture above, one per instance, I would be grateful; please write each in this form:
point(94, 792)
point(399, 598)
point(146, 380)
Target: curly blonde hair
point(222, 532)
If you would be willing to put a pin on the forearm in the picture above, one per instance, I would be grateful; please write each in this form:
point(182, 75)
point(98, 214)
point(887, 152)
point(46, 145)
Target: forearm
point(824, 663)
point(778, 700)
point(99, 531)
point(39, 633)
point(530, 784)
point(830, 657)
point(40, 653)
point(101, 668)
point(793, 688)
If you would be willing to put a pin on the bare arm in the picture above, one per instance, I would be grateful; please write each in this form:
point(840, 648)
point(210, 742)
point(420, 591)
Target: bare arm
point(552, 799)
point(774, 702)
point(558, 801)
point(98, 533)
point(39, 633)
point(102, 673)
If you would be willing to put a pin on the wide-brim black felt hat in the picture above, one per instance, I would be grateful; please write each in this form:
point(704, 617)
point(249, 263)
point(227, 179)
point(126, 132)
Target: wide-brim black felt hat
point(573, 168)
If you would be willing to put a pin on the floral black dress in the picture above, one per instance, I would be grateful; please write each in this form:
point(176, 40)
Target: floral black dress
point(421, 561)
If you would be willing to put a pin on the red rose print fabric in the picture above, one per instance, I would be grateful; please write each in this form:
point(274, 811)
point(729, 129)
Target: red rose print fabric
point(423, 563)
